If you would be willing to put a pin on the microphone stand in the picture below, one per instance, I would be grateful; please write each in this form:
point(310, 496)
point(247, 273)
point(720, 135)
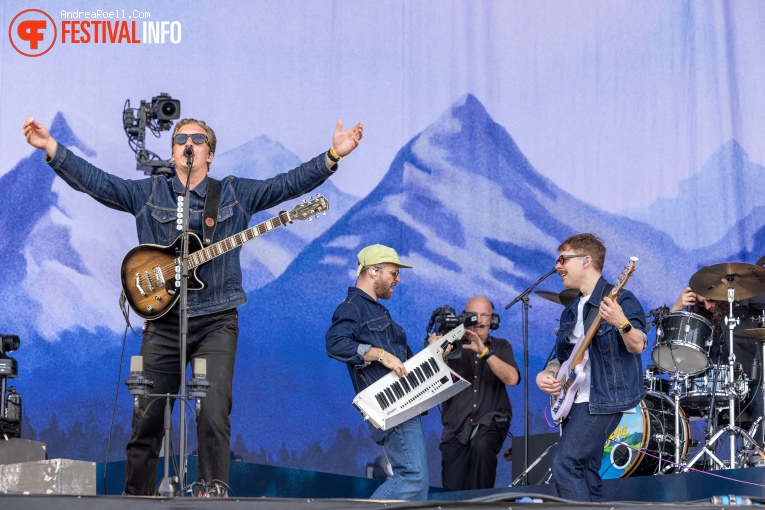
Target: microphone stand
point(524, 296)
point(166, 488)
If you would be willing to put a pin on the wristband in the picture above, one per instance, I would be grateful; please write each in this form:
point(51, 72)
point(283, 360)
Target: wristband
point(333, 155)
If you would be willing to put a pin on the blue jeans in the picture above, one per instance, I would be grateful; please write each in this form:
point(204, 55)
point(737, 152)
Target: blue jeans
point(404, 446)
point(576, 460)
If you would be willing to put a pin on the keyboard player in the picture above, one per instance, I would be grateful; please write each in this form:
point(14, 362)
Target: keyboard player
point(364, 336)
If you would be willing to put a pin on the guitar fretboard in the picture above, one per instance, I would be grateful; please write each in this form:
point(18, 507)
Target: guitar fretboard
point(215, 250)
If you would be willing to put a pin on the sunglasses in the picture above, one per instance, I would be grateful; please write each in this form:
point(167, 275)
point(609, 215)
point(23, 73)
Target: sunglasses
point(394, 273)
point(563, 258)
point(197, 138)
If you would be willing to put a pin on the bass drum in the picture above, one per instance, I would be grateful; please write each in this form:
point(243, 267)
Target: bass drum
point(649, 430)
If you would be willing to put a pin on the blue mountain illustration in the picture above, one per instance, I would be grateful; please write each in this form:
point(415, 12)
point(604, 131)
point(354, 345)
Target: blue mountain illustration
point(460, 202)
point(464, 206)
point(712, 203)
point(27, 197)
point(262, 158)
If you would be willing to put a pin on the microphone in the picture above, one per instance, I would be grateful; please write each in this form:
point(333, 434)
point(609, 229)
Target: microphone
point(137, 384)
point(198, 383)
point(189, 153)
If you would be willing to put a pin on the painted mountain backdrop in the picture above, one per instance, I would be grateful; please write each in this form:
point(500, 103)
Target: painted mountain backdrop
point(460, 202)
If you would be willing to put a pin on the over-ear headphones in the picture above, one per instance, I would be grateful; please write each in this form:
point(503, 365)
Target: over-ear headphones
point(494, 322)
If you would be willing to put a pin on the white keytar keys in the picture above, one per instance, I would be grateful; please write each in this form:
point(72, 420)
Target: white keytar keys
point(392, 400)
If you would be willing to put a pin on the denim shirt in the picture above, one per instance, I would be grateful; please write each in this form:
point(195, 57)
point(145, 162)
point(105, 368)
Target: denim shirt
point(617, 374)
point(154, 202)
point(359, 320)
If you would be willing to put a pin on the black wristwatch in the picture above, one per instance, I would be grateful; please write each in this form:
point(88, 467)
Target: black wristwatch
point(625, 329)
point(333, 158)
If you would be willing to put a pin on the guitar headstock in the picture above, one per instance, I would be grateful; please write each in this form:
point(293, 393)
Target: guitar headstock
point(309, 208)
point(622, 281)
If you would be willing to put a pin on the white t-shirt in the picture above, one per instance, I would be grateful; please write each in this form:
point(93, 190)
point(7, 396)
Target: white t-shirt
point(583, 395)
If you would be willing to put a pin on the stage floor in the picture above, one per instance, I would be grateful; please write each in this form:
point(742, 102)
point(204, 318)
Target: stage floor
point(270, 487)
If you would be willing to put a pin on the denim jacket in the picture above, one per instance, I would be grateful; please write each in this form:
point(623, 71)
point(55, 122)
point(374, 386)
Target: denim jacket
point(153, 202)
point(360, 321)
point(617, 374)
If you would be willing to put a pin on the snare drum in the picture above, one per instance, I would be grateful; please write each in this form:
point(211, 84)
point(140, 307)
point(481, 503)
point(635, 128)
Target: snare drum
point(696, 393)
point(682, 343)
point(650, 429)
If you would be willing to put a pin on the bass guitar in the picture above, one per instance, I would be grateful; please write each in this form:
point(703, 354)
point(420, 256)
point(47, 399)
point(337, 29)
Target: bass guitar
point(151, 274)
point(571, 374)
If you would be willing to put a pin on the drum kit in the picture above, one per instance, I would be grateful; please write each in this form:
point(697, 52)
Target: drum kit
point(685, 384)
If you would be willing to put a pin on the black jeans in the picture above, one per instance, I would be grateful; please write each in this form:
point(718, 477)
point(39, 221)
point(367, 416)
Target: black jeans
point(473, 465)
point(212, 337)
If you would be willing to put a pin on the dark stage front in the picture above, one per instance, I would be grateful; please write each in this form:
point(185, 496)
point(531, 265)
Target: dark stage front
point(270, 487)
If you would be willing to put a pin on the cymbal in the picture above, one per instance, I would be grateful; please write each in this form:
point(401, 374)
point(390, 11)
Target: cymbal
point(563, 297)
point(755, 334)
point(713, 281)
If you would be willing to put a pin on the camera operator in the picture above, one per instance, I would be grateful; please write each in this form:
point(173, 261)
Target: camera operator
point(476, 422)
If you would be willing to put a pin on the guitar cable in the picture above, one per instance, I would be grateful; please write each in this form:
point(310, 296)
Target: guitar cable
point(126, 314)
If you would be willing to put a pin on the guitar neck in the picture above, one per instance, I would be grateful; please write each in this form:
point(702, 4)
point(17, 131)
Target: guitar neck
point(215, 250)
point(578, 356)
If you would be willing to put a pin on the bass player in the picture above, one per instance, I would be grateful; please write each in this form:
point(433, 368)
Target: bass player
point(612, 379)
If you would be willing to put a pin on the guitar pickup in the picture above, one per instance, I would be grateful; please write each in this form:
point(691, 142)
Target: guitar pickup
point(158, 276)
point(148, 280)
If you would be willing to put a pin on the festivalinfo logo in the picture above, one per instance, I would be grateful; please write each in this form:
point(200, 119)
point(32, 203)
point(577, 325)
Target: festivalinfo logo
point(34, 32)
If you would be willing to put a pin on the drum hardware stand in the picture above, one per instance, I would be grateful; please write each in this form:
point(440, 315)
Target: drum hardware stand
point(676, 398)
point(523, 477)
point(711, 282)
point(760, 320)
point(731, 321)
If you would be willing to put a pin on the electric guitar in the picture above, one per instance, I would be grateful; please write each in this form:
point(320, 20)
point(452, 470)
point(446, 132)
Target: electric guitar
point(151, 274)
point(571, 374)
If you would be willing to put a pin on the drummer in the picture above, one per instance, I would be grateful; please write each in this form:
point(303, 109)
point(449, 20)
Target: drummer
point(746, 351)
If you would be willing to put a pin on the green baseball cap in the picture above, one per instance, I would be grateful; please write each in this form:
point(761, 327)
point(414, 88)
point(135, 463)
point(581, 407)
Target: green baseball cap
point(378, 254)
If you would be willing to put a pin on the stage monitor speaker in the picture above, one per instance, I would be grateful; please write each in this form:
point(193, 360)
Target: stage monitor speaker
point(538, 443)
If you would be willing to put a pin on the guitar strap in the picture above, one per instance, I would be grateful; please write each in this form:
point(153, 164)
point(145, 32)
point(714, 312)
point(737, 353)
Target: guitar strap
point(210, 215)
point(592, 316)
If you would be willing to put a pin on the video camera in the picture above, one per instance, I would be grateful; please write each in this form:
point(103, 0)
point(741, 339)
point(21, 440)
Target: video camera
point(443, 320)
point(8, 366)
point(157, 115)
